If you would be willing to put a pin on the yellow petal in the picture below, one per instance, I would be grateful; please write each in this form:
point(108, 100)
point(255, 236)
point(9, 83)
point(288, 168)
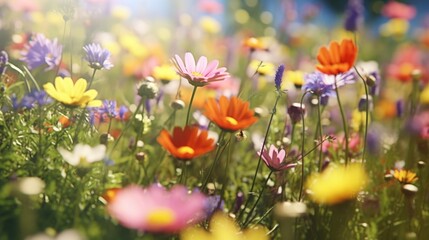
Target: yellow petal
point(91, 94)
point(79, 88)
point(95, 103)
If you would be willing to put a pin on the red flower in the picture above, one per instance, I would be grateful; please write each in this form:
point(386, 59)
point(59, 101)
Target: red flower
point(229, 114)
point(186, 144)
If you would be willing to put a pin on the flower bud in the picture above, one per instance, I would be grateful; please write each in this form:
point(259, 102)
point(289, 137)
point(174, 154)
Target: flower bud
point(148, 88)
point(140, 156)
point(370, 80)
point(409, 190)
point(363, 102)
point(177, 104)
point(296, 112)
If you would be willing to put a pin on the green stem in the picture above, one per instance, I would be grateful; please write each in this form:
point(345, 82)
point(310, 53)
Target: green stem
point(127, 125)
point(79, 123)
point(292, 134)
point(92, 78)
point(366, 113)
point(246, 221)
point(217, 156)
point(190, 105)
point(302, 148)
point(343, 118)
point(319, 115)
point(62, 52)
point(260, 155)
point(141, 127)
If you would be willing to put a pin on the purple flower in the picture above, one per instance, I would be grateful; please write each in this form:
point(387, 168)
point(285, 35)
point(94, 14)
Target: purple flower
point(37, 97)
point(42, 51)
point(97, 57)
point(122, 111)
point(4, 59)
point(315, 82)
point(341, 79)
point(214, 203)
point(354, 15)
point(279, 76)
point(275, 159)
point(108, 108)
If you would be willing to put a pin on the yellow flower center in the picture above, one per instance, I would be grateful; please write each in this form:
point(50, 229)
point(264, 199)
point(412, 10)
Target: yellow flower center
point(197, 74)
point(186, 150)
point(231, 120)
point(160, 217)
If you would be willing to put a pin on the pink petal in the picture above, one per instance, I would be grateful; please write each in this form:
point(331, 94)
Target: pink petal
point(211, 67)
point(202, 64)
point(190, 62)
point(281, 155)
point(179, 64)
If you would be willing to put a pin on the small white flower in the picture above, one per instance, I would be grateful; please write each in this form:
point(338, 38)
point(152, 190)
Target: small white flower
point(83, 154)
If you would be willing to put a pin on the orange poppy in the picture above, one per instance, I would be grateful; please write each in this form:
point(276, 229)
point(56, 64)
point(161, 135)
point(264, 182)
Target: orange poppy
point(229, 114)
point(339, 58)
point(186, 144)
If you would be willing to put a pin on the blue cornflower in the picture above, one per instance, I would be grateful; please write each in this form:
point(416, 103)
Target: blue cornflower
point(122, 111)
point(97, 57)
point(108, 108)
point(354, 15)
point(36, 97)
point(315, 82)
point(279, 76)
point(4, 59)
point(341, 78)
point(42, 51)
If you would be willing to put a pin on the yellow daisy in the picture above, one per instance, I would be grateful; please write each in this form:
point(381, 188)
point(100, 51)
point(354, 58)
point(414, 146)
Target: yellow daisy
point(336, 184)
point(165, 73)
point(72, 94)
point(404, 176)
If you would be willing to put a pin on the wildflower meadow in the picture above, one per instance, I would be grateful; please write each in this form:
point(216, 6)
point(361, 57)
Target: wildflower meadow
point(214, 119)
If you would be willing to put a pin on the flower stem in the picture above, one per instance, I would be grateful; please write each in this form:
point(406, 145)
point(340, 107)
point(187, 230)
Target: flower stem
point(141, 127)
point(260, 155)
point(246, 221)
point(302, 149)
point(366, 113)
point(92, 78)
point(217, 156)
point(127, 125)
point(79, 123)
point(190, 105)
point(319, 115)
point(343, 118)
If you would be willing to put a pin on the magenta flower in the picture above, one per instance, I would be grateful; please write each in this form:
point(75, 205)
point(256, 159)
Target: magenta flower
point(199, 74)
point(154, 209)
point(275, 159)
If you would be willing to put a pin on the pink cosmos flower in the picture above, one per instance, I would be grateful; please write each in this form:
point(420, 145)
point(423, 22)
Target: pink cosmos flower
point(394, 9)
point(154, 209)
point(275, 159)
point(201, 73)
point(210, 6)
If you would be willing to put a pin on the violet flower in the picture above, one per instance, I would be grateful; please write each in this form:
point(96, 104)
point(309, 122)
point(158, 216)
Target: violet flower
point(97, 57)
point(4, 59)
point(279, 76)
point(41, 51)
point(354, 15)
